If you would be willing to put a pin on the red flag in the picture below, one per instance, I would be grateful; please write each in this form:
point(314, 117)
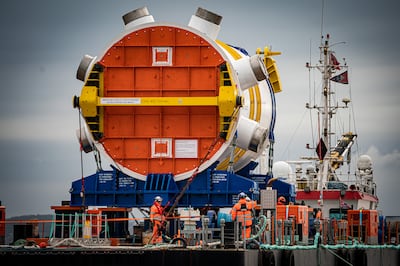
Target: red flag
point(334, 62)
point(341, 78)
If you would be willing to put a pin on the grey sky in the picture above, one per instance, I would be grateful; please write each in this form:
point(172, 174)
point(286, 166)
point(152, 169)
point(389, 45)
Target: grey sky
point(43, 41)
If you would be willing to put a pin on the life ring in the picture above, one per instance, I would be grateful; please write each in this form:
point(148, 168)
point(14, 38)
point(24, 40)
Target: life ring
point(181, 242)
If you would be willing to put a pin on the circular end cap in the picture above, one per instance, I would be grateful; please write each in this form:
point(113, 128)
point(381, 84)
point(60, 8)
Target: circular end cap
point(258, 67)
point(135, 14)
point(258, 138)
point(209, 16)
point(83, 67)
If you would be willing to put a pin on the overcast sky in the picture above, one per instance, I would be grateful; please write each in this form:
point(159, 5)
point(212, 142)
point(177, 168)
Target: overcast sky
point(43, 41)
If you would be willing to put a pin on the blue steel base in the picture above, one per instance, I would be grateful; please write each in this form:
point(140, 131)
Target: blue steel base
point(211, 187)
point(114, 188)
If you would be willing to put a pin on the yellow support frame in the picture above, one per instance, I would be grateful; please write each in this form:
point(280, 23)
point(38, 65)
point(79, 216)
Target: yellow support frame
point(89, 101)
point(272, 69)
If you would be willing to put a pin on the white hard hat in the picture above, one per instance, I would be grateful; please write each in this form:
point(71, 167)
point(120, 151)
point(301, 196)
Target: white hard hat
point(158, 198)
point(242, 195)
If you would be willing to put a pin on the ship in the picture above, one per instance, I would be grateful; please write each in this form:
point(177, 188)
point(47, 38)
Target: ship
point(327, 179)
point(184, 116)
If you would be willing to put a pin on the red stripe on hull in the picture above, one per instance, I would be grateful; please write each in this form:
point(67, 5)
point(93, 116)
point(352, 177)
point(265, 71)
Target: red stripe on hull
point(335, 194)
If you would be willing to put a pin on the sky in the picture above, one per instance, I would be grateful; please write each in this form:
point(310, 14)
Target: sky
point(43, 41)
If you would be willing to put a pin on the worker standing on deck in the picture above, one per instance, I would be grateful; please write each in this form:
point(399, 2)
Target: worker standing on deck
point(242, 212)
point(157, 219)
point(253, 205)
point(318, 214)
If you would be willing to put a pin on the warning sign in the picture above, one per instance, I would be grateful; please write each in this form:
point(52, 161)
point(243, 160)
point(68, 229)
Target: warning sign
point(186, 148)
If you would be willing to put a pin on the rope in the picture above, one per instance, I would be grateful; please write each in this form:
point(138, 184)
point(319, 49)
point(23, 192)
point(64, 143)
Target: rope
point(190, 180)
point(262, 228)
point(336, 255)
point(182, 192)
point(97, 158)
point(81, 155)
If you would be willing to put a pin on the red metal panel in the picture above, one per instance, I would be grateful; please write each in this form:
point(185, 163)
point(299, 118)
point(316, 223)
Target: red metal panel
point(176, 125)
point(204, 79)
point(160, 61)
point(147, 78)
point(138, 38)
point(120, 125)
point(203, 125)
point(159, 165)
point(147, 125)
point(186, 38)
point(187, 56)
point(137, 56)
point(136, 148)
point(176, 79)
point(118, 79)
point(162, 36)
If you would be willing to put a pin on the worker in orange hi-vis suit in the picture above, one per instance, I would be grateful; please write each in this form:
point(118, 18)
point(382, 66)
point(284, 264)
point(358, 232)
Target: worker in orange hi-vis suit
point(318, 215)
point(253, 206)
point(253, 203)
point(242, 212)
point(157, 219)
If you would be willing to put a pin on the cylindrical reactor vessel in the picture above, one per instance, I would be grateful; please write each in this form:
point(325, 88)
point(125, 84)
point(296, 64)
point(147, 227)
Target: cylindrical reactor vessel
point(172, 99)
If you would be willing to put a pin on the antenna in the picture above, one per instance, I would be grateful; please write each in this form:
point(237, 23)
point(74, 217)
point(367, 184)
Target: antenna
point(322, 20)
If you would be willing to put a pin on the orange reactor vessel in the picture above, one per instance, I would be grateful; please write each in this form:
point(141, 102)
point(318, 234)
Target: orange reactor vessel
point(173, 99)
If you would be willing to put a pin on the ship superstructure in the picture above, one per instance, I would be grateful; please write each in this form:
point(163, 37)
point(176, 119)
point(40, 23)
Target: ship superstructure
point(321, 180)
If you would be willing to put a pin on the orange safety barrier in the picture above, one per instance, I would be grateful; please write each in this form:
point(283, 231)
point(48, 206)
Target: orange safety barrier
point(363, 225)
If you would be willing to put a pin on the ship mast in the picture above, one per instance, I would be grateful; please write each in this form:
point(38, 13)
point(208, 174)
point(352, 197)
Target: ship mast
point(332, 150)
point(326, 93)
point(326, 122)
point(326, 112)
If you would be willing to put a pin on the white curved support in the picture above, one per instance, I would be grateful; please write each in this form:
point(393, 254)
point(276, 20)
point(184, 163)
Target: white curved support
point(250, 70)
point(206, 22)
point(250, 135)
point(87, 143)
